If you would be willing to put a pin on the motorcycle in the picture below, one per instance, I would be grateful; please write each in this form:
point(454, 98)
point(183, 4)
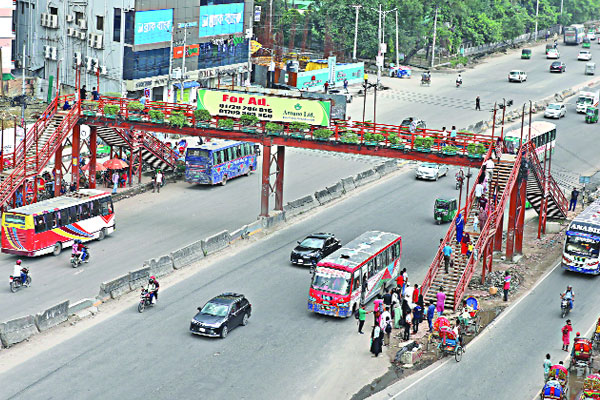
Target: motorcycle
point(144, 300)
point(564, 307)
point(15, 281)
point(458, 83)
point(76, 259)
point(459, 182)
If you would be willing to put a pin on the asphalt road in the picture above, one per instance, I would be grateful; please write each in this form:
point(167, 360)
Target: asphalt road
point(150, 225)
point(442, 104)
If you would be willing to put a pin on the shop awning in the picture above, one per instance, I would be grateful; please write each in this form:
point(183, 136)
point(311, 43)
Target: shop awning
point(7, 77)
point(187, 85)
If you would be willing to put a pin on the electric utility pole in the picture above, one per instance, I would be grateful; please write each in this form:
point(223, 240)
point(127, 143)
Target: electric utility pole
point(434, 36)
point(356, 8)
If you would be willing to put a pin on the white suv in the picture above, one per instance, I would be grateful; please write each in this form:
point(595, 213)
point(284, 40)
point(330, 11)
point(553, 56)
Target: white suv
point(517, 76)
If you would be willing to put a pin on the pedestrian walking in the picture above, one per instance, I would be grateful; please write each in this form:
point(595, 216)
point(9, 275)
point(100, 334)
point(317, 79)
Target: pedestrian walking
point(115, 181)
point(95, 94)
point(477, 104)
point(478, 191)
point(400, 282)
point(441, 300)
point(346, 85)
point(573, 203)
point(453, 134)
point(498, 149)
point(506, 287)
point(482, 217)
point(82, 93)
point(386, 319)
point(376, 340)
point(157, 181)
point(362, 317)
point(405, 276)
point(430, 315)
point(407, 325)
point(464, 244)
point(489, 168)
point(326, 85)
point(460, 225)
point(417, 312)
point(476, 221)
point(397, 313)
point(547, 364)
point(415, 294)
point(447, 254)
point(387, 298)
point(566, 335)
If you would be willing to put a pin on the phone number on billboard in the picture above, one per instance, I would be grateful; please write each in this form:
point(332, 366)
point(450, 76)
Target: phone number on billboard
point(236, 111)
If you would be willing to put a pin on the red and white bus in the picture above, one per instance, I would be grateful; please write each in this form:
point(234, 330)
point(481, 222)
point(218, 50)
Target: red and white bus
point(354, 274)
point(50, 225)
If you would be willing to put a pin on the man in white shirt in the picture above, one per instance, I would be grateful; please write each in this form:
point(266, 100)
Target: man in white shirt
point(489, 168)
point(478, 191)
point(158, 179)
point(18, 272)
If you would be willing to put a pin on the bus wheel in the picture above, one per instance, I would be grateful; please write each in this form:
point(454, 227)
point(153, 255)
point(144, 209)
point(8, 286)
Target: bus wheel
point(224, 180)
point(57, 249)
point(102, 234)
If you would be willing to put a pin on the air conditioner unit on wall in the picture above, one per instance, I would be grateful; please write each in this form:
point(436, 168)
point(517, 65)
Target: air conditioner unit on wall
point(44, 21)
point(70, 18)
point(98, 42)
point(70, 31)
point(54, 53)
point(53, 21)
point(76, 59)
point(82, 24)
point(82, 35)
point(47, 52)
point(90, 39)
point(103, 70)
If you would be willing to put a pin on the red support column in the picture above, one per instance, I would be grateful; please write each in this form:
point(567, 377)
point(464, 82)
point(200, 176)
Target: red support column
point(279, 178)
point(75, 143)
point(499, 229)
point(58, 170)
point(266, 185)
point(484, 264)
point(140, 167)
point(512, 218)
point(520, 228)
point(93, 150)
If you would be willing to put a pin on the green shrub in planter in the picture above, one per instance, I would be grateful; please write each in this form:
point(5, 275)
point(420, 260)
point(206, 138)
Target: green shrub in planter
point(156, 116)
point(428, 142)
point(89, 107)
point(226, 124)
point(419, 141)
point(475, 149)
point(177, 119)
point(450, 149)
point(135, 106)
point(202, 115)
point(299, 126)
point(111, 110)
point(368, 137)
point(272, 127)
point(393, 138)
point(378, 137)
point(248, 119)
point(323, 133)
point(349, 137)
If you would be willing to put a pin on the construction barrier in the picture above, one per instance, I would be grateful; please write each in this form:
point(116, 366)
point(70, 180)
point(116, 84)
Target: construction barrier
point(348, 184)
point(160, 266)
point(114, 288)
point(52, 316)
point(17, 330)
point(216, 242)
point(239, 233)
point(187, 255)
point(274, 219)
point(336, 191)
point(80, 305)
point(362, 178)
point(387, 167)
point(323, 196)
point(253, 228)
point(138, 278)
point(300, 205)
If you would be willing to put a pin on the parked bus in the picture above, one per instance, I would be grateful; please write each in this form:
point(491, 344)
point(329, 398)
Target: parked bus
point(218, 161)
point(543, 134)
point(574, 34)
point(582, 242)
point(354, 274)
point(50, 225)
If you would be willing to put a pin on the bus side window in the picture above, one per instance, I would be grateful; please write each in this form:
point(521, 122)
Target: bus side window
point(50, 220)
point(244, 149)
point(95, 208)
point(40, 224)
point(230, 156)
point(250, 148)
point(214, 158)
point(356, 285)
point(370, 269)
point(84, 211)
point(64, 217)
point(397, 246)
point(376, 264)
point(238, 150)
point(220, 157)
point(73, 217)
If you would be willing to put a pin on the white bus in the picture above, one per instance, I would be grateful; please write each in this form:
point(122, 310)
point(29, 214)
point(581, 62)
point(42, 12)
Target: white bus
point(582, 242)
point(574, 34)
point(543, 134)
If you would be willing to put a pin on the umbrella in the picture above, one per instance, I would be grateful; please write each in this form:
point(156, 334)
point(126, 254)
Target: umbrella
point(115, 163)
point(99, 167)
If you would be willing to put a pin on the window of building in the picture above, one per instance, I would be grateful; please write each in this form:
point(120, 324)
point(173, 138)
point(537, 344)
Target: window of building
point(99, 23)
point(78, 15)
point(53, 10)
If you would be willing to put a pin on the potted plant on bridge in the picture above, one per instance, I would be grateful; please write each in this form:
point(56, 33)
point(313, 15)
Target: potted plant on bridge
point(89, 108)
point(111, 111)
point(298, 129)
point(249, 122)
point(368, 139)
point(226, 124)
point(349, 137)
point(203, 118)
point(423, 144)
point(449, 150)
point(156, 116)
point(273, 129)
point(323, 134)
point(395, 141)
point(134, 110)
point(475, 150)
point(177, 119)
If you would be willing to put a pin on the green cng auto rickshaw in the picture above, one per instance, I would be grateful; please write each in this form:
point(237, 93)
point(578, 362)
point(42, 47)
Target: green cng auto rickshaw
point(444, 210)
point(526, 54)
point(586, 43)
point(591, 115)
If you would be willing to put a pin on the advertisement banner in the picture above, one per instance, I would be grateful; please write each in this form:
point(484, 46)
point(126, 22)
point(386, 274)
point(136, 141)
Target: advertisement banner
point(266, 108)
point(192, 50)
point(153, 26)
point(221, 19)
point(315, 80)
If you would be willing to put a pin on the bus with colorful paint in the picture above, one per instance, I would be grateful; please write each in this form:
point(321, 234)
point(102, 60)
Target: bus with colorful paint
point(218, 161)
point(49, 226)
point(355, 273)
point(582, 242)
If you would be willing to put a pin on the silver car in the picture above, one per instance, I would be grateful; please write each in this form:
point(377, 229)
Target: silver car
point(555, 110)
point(431, 171)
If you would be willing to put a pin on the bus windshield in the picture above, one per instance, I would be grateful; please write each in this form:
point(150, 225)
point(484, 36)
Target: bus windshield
point(198, 153)
point(582, 246)
point(14, 219)
point(331, 280)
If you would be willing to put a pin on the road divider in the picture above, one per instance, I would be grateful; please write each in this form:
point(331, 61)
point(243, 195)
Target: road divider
point(187, 255)
point(368, 176)
point(82, 304)
point(114, 288)
point(276, 218)
point(323, 196)
point(17, 330)
point(300, 205)
point(336, 191)
point(214, 243)
point(348, 184)
point(387, 167)
point(160, 266)
point(52, 316)
point(138, 278)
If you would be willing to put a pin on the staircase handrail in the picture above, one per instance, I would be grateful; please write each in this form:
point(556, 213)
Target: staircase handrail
point(432, 272)
point(552, 186)
point(159, 149)
point(484, 235)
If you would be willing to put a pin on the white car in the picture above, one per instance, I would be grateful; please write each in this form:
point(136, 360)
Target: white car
point(431, 171)
point(591, 35)
point(517, 76)
point(555, 110)
point(553, 54)
point(584, 55)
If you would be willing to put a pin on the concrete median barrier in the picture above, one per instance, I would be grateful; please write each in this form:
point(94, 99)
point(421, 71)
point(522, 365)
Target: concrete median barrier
point(160, 266)
point(17, 330)
point(239, 233)
point(52, 316)
point(300, 205)
point(387, 167)
point(348, 184)
point(187, 255)
point(276, 218)
point(253, 228)
point(82, 304)
point(114, 288)
point(138, 278)
point(336, 191)
point(323, 196)
point(217, 242)
point(362, 178)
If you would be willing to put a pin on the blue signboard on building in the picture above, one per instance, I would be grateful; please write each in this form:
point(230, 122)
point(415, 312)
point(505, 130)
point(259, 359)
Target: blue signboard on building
point(153, 26)
point(221, 19)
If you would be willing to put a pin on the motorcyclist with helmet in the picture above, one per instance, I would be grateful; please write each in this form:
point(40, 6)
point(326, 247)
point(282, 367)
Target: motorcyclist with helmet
point(80, 250)
point(20, 271)
point(459, 80)
point(153, 287)
point(569, 295)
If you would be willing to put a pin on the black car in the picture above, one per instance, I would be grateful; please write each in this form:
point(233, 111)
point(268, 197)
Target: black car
point(558, 66)
point(283, 86)
point(221, 314)
point(312, 249)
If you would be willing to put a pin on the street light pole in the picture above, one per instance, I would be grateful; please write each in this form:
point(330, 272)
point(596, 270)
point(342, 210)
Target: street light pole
point(537, 9)
point(397, 53)
point(434, 36)
point(379, 48)
point(356, 8)
point(184, 25)
point(169, 88)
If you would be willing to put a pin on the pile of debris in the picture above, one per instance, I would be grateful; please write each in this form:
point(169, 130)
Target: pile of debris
point(496, 279)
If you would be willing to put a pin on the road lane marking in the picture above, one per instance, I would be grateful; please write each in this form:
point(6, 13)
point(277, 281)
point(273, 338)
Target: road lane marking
point(485, 331)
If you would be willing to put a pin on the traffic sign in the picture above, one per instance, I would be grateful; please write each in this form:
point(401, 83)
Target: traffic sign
point(584, 179)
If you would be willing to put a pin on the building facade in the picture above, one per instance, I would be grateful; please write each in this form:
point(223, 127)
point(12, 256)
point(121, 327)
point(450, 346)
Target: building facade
point(129, 46)
point(7, 35)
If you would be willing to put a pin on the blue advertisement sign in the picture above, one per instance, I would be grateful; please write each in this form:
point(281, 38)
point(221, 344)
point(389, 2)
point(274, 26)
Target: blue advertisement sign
point(221, 19)
point(315, 80)
point(153, 26)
